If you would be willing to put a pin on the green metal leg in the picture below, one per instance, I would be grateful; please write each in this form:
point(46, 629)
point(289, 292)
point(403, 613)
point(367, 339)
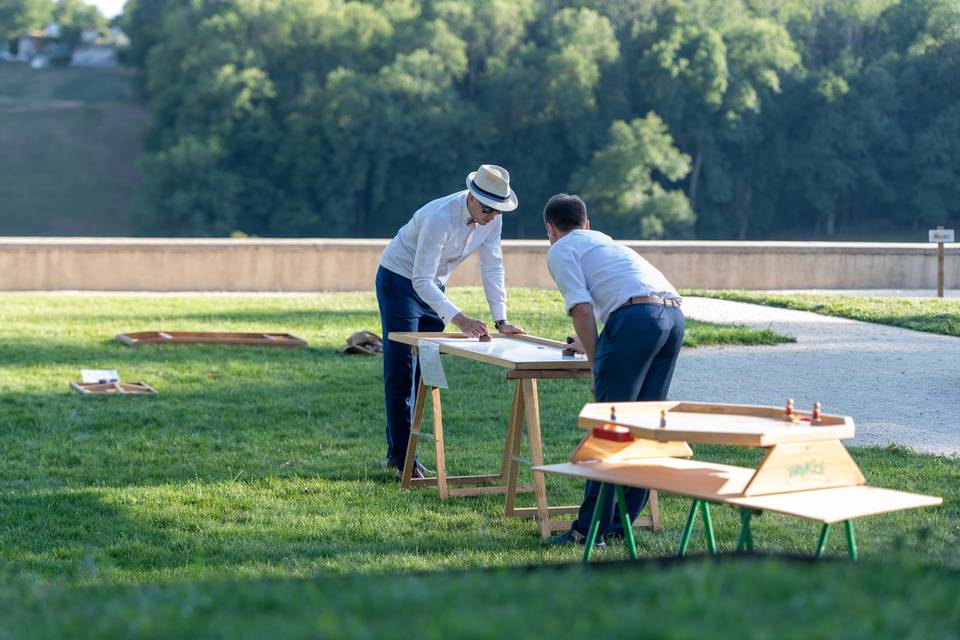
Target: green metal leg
point(745, 541)
point(688, 528)
point(851, 540)
point(824, 534)
point(626, 523)
point(594, 524)
point(708, 526)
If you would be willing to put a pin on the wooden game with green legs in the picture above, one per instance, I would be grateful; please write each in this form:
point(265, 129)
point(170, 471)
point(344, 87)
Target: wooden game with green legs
point(806, 473)
point(526, 359)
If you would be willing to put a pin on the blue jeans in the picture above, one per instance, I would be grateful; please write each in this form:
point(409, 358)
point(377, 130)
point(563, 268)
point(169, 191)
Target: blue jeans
point(636, 355)
point(401, 309)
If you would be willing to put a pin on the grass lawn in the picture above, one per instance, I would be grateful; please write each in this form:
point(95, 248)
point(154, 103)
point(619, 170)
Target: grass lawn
point(933, 315)
point(248, 498)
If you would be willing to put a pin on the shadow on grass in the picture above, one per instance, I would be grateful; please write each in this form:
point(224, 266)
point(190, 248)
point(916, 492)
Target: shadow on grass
point(86, 533)
point(291, 317)
point(302, 323)
point(207, 424)
point(726, 598)
point(32, 354)
point(71, 532)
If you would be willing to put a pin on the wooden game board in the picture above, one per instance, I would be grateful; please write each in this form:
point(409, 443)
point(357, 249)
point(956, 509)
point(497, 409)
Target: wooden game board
point(806, 472)
point(526, 359)
point(113, 388)
point(801, 454)
point(508, 351)
point(203, 337)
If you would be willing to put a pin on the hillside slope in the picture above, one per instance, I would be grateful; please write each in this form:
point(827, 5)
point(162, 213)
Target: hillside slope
point(69, 148)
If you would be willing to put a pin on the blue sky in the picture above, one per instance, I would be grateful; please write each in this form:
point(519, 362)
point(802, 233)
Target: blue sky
point(108, 8)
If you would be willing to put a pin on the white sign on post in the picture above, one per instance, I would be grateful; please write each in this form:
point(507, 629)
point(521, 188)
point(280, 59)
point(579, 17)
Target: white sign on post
point(941, 235)
point(431, 369)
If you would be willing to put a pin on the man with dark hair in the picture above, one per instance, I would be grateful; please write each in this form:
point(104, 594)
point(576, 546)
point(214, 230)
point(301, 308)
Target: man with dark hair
point(634, 357)
point(410, 287)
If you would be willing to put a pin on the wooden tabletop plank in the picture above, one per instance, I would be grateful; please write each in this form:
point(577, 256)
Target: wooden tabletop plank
point(508, 351)
point(838, 504)
point(692, 478)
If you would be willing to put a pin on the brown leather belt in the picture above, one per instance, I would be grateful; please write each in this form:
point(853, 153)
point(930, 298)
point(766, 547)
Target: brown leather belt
point(651, 300)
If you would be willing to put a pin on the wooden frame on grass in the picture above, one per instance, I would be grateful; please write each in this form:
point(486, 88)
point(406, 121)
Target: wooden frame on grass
point(113, 388)
point(207, 337)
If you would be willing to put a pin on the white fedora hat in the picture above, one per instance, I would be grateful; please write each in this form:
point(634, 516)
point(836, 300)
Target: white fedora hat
point(490, 185)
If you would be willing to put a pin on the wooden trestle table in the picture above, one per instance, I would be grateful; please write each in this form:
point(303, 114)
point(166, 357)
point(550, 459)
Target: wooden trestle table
point(526, 358)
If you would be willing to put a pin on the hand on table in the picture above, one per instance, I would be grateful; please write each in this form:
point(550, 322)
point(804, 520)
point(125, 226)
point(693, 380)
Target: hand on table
point(576, 344)
point(470, 326)
point(511, 329)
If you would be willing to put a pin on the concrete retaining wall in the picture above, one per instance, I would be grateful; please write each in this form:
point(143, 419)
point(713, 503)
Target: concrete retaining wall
point(140, 264)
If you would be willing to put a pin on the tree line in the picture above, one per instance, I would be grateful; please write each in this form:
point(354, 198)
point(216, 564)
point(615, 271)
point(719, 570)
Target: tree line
point(732, 119)
point(20, 17)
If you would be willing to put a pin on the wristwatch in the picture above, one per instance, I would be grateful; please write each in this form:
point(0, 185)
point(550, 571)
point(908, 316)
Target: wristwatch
point(499, 323)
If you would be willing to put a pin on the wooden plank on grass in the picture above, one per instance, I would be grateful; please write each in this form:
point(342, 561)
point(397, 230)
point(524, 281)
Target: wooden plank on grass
point(208, 337)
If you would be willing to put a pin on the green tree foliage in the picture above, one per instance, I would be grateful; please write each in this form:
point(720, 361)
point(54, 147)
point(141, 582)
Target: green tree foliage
point(21, 16)
point(620, 178)
point(73, 16)
point(700, 118)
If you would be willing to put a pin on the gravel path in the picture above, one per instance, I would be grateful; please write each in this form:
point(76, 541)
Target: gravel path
point(900, 386)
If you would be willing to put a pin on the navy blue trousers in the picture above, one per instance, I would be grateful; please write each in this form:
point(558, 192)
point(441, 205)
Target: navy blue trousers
point(636, 355)
point(401, 309)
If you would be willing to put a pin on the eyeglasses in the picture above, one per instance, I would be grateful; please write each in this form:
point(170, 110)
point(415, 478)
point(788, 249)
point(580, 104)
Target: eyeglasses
point(489, 210)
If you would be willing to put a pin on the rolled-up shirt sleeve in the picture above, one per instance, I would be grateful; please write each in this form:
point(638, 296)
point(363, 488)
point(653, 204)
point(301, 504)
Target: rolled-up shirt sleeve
point(425, 266)
point(566, 271)
point(493, 274)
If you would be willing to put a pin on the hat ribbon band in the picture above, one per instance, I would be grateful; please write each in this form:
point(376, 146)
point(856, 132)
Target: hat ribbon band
point(487, 194)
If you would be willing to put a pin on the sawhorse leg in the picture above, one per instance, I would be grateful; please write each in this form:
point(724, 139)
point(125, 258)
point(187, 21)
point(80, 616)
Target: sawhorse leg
point(825, 533)
point(414, 439)
point(704, 507)
point(511, 450)
point(624, 522)
point(745, 540)
point(527, 409)
point(501, 481)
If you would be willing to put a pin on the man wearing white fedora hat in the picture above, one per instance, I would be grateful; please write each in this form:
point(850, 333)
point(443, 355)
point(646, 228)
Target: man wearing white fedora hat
point(414, 268)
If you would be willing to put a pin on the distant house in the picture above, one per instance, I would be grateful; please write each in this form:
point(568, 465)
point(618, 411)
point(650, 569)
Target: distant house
point(42, 48)
point(89, 35)
point(30, 45)
point(94, 55)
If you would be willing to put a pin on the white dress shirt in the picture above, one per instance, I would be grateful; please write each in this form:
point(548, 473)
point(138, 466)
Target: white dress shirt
point(437, 239)
point(589, 266)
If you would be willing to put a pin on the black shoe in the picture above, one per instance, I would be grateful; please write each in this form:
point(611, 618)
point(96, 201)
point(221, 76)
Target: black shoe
point(575, 537)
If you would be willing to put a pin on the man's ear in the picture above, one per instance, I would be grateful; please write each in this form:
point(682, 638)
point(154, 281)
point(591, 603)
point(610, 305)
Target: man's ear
point(586, 223)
